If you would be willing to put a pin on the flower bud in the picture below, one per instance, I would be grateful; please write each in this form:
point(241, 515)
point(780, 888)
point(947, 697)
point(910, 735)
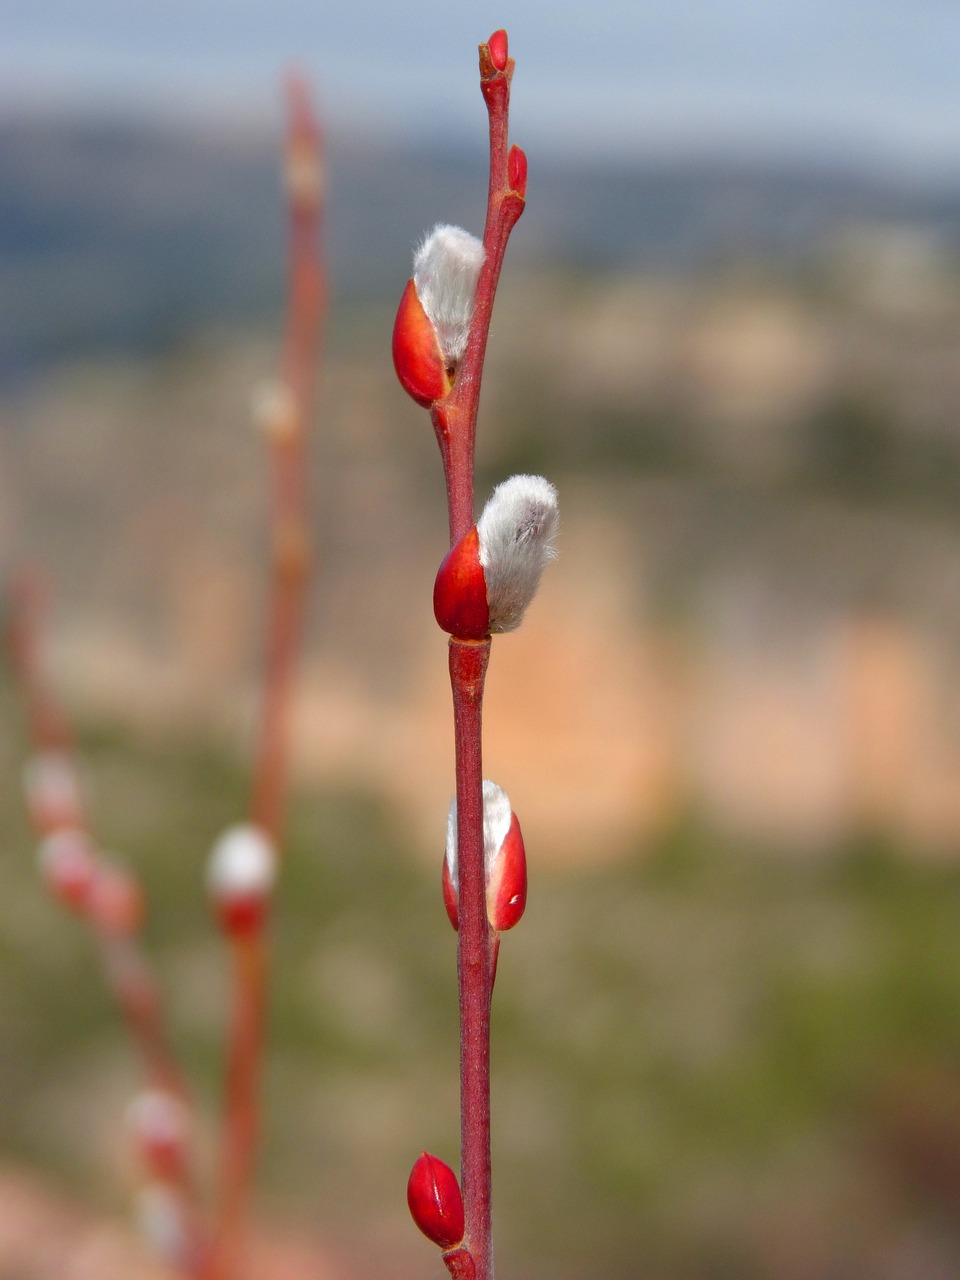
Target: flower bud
point(417, 357)
point(460, 591)
point(489, 577)
point(497, 45)
point(240, 876)
point(516, 532)
point(68, 865)
point(504, 862)
point(507, 881)
point(446, 268)
point(51, 791)
point(115, 902)
point(436, 1204)
point(159, 1124)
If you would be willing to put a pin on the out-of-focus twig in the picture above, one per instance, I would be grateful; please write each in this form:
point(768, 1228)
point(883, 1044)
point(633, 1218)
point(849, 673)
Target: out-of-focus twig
point(284, 412)
point(105, 895)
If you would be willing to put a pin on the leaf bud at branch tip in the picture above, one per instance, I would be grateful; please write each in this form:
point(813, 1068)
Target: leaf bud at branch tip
point(436, 1204)
point(504, 861)
point(516, 532)
point(499, 51)
point(240, 876)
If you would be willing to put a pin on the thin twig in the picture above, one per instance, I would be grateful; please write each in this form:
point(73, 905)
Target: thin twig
point(285, 422)
point(127, 972)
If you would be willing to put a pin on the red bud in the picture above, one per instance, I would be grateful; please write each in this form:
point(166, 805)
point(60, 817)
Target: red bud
point(242, 915)
point(69, 867)
point(517, 170)
point(436, 1204)
point(507, 886)
point(417, 357)
point(498, 49)
point(159, 1123)
point(460, 591)
point(451, 899)
point(240, 876)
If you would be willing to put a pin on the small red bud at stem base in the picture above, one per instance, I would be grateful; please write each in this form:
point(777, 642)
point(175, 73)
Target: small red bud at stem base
point(436, 1204)
point(460, 591)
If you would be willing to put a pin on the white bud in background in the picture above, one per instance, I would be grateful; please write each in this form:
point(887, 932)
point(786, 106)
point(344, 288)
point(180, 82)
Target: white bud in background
point(158, 1119)
point(68, 864)
point(446, 268)
point(516, 533)
point(50, 787)
point(496, 823)
point(242, 864)
point(160, 1218)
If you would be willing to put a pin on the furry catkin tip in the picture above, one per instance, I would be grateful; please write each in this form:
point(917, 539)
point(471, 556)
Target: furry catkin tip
point(516, 531)
point(446, 268)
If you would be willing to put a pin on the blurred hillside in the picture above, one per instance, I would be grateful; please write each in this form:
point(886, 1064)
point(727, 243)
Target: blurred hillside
point(126, 236)
point(744, 383)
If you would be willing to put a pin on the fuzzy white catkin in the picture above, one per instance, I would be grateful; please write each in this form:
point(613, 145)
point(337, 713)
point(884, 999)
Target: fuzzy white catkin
point(446, 268)
point(497, 816)
point(242, 864)
point(516, 532)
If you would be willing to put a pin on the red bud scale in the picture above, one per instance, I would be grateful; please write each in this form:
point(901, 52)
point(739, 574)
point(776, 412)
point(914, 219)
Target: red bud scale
point(436, 1204)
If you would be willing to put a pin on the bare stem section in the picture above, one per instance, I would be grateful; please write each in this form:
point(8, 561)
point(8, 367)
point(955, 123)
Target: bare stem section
point(475, 949)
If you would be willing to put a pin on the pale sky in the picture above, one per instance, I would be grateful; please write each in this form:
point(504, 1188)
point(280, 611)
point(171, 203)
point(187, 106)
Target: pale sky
point(875, 78)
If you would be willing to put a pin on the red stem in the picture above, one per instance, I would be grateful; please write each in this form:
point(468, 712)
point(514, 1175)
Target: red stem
point(475, 942)
point(455, 421)
point(455, 417)
point(291, 561)
point(241, 1131)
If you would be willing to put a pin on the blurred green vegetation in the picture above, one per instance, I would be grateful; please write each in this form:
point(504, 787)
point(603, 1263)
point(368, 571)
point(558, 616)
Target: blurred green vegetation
point(694, 1050)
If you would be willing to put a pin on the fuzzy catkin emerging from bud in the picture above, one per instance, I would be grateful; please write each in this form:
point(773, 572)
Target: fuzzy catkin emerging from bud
point(240, 876)
point(446, 268)
point(516, 533)
point(496, 823)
